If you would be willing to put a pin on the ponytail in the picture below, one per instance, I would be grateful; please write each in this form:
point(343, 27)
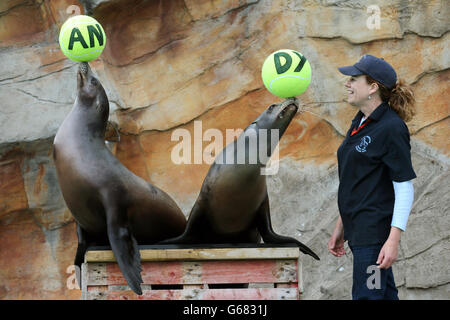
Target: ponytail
point(401, 98)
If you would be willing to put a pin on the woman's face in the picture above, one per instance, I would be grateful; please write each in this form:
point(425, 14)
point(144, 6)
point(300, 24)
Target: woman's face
point(358, 90)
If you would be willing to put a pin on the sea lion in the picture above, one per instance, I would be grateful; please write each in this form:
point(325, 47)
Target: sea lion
point(233, 204)
point(109, 203)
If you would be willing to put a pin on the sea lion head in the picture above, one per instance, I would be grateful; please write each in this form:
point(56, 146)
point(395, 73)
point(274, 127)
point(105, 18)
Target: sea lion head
point(90, 91)
point(277, 116)
point(272, 124)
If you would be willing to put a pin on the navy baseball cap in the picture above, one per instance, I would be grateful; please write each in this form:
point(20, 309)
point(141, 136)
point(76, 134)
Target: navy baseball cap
point(377, 68)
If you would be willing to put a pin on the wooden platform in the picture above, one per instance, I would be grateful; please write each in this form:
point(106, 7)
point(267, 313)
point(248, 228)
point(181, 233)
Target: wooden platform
point(198, 273)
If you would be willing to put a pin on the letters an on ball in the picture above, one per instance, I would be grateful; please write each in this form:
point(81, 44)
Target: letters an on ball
point(82, 38)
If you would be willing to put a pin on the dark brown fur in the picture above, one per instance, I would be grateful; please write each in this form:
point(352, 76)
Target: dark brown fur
point(110, 203)
point(233, 204)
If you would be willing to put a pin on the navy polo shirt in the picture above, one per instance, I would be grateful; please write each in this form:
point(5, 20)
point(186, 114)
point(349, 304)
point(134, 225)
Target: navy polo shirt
point(368, 162)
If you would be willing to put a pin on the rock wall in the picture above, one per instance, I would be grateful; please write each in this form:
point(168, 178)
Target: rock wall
point(177, 64)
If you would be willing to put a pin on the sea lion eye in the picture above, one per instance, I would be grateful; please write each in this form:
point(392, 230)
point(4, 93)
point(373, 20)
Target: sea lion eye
point(94, 81)
point(271, 107)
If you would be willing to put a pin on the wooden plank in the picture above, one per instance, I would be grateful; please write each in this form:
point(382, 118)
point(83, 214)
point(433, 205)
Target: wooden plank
point(200, 254)
point(96, 274)
point(197, 294)
point(170, 272)
point(84, 280)
point(300, 275)
point(274, 273)
point(286, 285)
point(241, 271)
point(194, 286)
point(200, 272)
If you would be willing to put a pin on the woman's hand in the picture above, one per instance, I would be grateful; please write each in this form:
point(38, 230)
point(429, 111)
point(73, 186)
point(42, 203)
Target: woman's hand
point(389, 252)
point(336, 242)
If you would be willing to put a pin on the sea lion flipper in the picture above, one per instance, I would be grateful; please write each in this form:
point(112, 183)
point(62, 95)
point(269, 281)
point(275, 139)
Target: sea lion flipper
point(125, 248)
point(82, 246)
point(269, 236)
point(81, 251)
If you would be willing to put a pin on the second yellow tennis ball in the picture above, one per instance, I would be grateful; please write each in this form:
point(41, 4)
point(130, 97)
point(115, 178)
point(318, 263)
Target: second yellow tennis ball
point(286, 73)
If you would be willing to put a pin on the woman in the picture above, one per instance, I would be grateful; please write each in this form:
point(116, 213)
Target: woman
point(375, 172)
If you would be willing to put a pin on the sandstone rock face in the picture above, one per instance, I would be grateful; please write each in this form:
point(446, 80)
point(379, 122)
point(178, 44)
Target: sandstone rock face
point(189, 67)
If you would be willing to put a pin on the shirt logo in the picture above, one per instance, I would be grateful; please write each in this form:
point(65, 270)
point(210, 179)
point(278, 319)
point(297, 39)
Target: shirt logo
point(363, 144)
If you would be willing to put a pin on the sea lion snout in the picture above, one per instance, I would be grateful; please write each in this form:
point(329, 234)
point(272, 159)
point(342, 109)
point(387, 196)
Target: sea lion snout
point(289, 104)
point(288, 107)
point(82, 74)
point(83, 71)
point(83, 68)
point(90, 90)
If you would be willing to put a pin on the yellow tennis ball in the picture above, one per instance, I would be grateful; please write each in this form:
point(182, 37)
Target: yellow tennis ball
point(82, 38)
point(286, 73)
